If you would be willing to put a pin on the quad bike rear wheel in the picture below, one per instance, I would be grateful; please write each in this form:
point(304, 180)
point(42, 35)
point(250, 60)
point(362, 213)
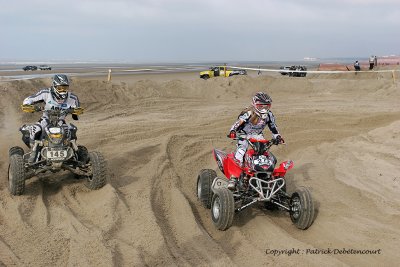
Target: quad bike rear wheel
point(302, 208)
point(99, 171)
point(222, 209)
point(204, 182)
point(16, 175)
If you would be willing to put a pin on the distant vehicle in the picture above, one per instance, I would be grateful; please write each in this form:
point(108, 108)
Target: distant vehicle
point(26, 68)
point(221, 71)
point(293, 71)
point(44, 67)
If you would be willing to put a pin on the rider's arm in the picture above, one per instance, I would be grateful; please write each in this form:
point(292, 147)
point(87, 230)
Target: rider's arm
point(36, 98)
point(241, 120)
point(272, 125)
point(75, 101)
point(75, 104)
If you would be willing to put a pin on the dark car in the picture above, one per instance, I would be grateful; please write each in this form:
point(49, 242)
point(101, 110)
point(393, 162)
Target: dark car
point(26, 68)
point(239, 72)
point(44, 67)
point(294, 71)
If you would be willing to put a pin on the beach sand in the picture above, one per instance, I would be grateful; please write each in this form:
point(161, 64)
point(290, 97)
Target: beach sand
point(157, 132)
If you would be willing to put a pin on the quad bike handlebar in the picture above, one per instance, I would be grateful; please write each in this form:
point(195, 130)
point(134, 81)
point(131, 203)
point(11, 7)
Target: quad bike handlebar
point(30, 108)
point(34, 108)
point(259, 139)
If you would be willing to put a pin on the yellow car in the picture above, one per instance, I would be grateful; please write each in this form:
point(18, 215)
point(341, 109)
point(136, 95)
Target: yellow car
point(222, 71)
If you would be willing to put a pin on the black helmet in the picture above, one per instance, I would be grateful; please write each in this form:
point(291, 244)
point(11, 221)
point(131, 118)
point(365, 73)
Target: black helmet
point(60, 86)
point(261, 103)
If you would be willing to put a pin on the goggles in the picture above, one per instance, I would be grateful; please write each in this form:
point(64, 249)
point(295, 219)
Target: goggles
point(62, 88)
point(263, 106)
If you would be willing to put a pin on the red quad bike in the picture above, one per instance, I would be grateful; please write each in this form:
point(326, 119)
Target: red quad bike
point(258, 180)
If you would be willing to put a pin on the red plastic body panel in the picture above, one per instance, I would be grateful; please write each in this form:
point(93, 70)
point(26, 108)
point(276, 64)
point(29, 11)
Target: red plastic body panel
point(280, 171)
point(229, 167)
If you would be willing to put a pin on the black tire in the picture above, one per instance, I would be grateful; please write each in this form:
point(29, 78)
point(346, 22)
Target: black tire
point(16, 150)
point(302, 208)
point(99, 168)
point(204, 182)
point(16, 175)
point(205, 77)
point(222, 209)
point(83, 154)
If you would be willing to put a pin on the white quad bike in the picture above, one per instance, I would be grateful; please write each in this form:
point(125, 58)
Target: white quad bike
point(55, 151)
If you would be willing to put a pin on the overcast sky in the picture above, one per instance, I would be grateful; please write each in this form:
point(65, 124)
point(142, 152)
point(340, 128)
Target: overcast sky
point(197, 31)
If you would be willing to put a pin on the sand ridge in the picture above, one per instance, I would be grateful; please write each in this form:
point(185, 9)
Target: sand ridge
point(341, 131)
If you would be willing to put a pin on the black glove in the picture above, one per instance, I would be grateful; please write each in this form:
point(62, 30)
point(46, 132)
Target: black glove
point(279, 140)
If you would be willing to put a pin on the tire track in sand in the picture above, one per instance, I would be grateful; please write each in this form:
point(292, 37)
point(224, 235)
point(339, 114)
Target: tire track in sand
point(186, 240)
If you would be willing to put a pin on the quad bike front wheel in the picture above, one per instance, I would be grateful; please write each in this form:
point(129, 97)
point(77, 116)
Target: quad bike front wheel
point(222, 209)
point(99, 171)
point(204, 182)
point(302, 208)
point(16, 175)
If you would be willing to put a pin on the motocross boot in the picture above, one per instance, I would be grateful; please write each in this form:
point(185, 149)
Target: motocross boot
point(32, 155)
point(34, 146)
point(74, 146)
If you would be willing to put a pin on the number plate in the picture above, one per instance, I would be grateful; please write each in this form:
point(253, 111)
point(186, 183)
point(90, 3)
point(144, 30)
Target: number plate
point(56, 154)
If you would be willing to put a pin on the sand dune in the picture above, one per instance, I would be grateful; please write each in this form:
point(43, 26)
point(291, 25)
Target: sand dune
point(342, 132)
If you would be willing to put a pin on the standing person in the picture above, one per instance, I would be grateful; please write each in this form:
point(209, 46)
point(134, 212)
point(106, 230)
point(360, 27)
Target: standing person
point(54, 97)
point(371, 62)
point(252, 121)
point(357, 66)
point(375, 61)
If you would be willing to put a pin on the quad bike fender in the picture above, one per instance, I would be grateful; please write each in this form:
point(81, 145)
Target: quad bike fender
point(283, 168)
point(219, 157)
point(227, 164)
point(231, 167)
point(24, 129)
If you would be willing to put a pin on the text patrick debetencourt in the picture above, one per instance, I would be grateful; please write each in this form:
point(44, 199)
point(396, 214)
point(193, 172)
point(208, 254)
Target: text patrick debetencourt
point(318, 251)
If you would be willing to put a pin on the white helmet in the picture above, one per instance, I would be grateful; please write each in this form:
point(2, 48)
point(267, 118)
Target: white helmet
point(60, 86)
point(261, 103)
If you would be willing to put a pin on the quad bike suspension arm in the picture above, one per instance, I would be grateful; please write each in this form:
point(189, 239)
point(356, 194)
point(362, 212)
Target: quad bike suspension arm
point(77, 171)
point(247, 205)
point(280, 205)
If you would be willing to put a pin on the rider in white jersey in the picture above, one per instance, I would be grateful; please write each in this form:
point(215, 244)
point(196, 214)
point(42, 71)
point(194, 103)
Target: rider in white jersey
point(252, 121)
point(55, 97)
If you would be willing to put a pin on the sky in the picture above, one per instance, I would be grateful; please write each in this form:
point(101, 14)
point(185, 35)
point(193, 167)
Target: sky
point(197, 31)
